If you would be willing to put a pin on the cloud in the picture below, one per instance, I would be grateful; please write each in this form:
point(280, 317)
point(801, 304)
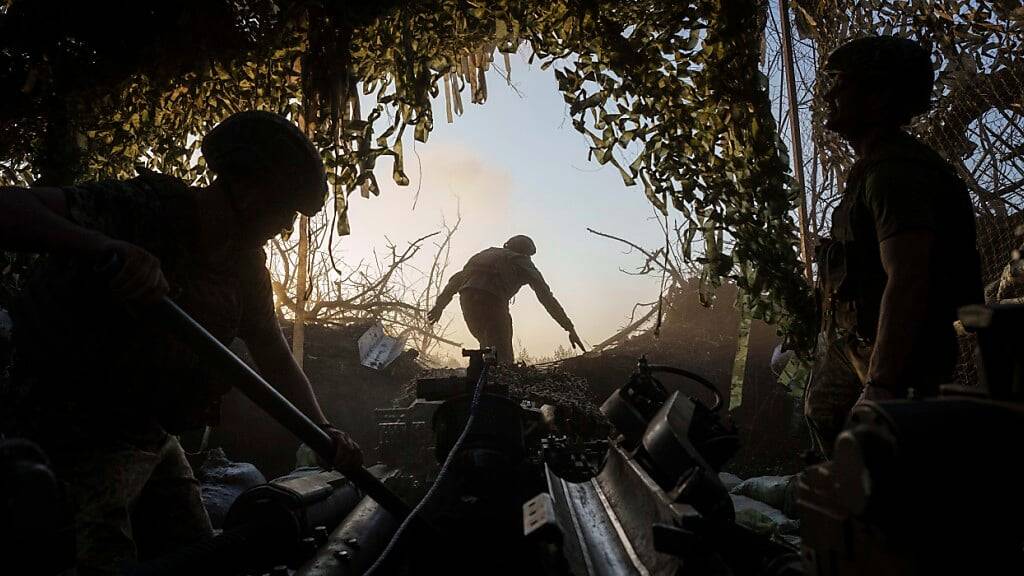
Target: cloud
point(455, 179)
point(453, 171)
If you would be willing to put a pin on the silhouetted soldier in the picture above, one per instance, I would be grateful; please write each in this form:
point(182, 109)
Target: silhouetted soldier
point(902, 257)
point(485, 286)
point(103, 392)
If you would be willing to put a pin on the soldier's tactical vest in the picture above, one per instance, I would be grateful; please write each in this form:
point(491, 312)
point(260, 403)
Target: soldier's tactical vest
point(852, 279)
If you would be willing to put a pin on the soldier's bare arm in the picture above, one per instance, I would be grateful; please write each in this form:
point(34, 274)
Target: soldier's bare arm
point(277, 365)
point(261, 332)
point(905, 259)
point(36, 220)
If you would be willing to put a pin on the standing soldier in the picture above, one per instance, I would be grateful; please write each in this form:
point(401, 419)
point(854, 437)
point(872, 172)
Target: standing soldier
point(104, 391)
point(902, 256)
point(486, 285)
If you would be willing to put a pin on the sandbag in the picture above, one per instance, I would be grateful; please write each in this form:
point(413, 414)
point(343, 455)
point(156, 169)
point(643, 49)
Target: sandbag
point(762, 518)
point(222, 481)
point(730, 481)
point(779, 492)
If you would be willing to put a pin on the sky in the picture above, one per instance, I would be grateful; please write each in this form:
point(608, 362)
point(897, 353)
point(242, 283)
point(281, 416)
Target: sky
point(515, 165)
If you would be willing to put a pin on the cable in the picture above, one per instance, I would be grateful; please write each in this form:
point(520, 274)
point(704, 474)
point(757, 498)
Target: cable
point(441, 475)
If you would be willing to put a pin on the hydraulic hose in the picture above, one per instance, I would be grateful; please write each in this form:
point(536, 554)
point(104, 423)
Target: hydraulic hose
point(441, 475)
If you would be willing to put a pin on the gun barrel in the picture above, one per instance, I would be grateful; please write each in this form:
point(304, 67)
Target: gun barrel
point(355, 543)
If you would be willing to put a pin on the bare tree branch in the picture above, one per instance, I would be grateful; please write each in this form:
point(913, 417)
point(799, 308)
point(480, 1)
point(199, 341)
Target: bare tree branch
point(387, 287)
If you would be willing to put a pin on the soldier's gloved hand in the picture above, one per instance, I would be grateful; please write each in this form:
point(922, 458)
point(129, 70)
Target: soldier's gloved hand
point(347, 454)
point(434, 315)
point(574, 340)
point(136, 274)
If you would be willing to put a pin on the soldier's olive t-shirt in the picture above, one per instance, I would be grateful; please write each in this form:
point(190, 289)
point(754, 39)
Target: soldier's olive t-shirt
point(106, 369)
point(901, 186)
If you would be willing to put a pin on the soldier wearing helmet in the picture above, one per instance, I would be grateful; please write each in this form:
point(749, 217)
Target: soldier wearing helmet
point(902, 256)
point(102, 392)
point(485, 286)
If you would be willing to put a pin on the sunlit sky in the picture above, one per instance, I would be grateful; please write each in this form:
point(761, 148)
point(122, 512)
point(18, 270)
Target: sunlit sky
point(515, 165)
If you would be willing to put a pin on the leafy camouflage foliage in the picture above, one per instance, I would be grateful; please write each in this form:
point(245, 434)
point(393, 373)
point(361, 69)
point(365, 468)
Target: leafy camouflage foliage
point(978, 51)
point(673, 85)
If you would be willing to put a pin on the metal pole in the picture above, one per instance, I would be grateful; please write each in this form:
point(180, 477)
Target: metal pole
point(272, 402)
point(301, 279)
point(796, 147)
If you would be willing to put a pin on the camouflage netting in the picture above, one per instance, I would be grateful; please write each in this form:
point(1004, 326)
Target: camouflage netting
point(667, 92)
point(546, 385)
point(539, 385)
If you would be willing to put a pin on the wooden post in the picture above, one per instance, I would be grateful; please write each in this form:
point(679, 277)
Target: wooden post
point(796, 148)
point(299, 326)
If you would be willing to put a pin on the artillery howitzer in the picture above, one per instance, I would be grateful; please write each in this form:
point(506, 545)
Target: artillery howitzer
point(513, 496)
point(524, 499)
point(903, 495)
point(318, 524)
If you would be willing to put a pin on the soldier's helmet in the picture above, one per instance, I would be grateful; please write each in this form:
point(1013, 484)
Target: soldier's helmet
point(900, 63)
point(272, 148)
point(521, 244)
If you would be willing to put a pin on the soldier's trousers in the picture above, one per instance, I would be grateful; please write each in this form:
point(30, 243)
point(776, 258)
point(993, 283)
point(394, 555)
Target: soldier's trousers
point(489, 321)
point(131, 503)
point(832, 391)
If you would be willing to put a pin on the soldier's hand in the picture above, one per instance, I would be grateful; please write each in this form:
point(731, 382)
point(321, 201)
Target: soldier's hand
point(574, 340)
point(347, 454)
point(137, 276)
point(434, 315)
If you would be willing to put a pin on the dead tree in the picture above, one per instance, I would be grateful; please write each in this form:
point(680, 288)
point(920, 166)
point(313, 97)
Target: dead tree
point(387, 287)
point(668, 261)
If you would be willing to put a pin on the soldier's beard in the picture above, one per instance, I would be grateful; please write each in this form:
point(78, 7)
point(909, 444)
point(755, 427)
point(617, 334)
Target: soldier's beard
point(849, 129)
point(834, 121)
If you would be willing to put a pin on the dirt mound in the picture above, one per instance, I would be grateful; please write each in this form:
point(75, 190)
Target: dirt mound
point(575, 412)
point(692, 336)
point(704, 340)
point(539, 385)
point(552, 385)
